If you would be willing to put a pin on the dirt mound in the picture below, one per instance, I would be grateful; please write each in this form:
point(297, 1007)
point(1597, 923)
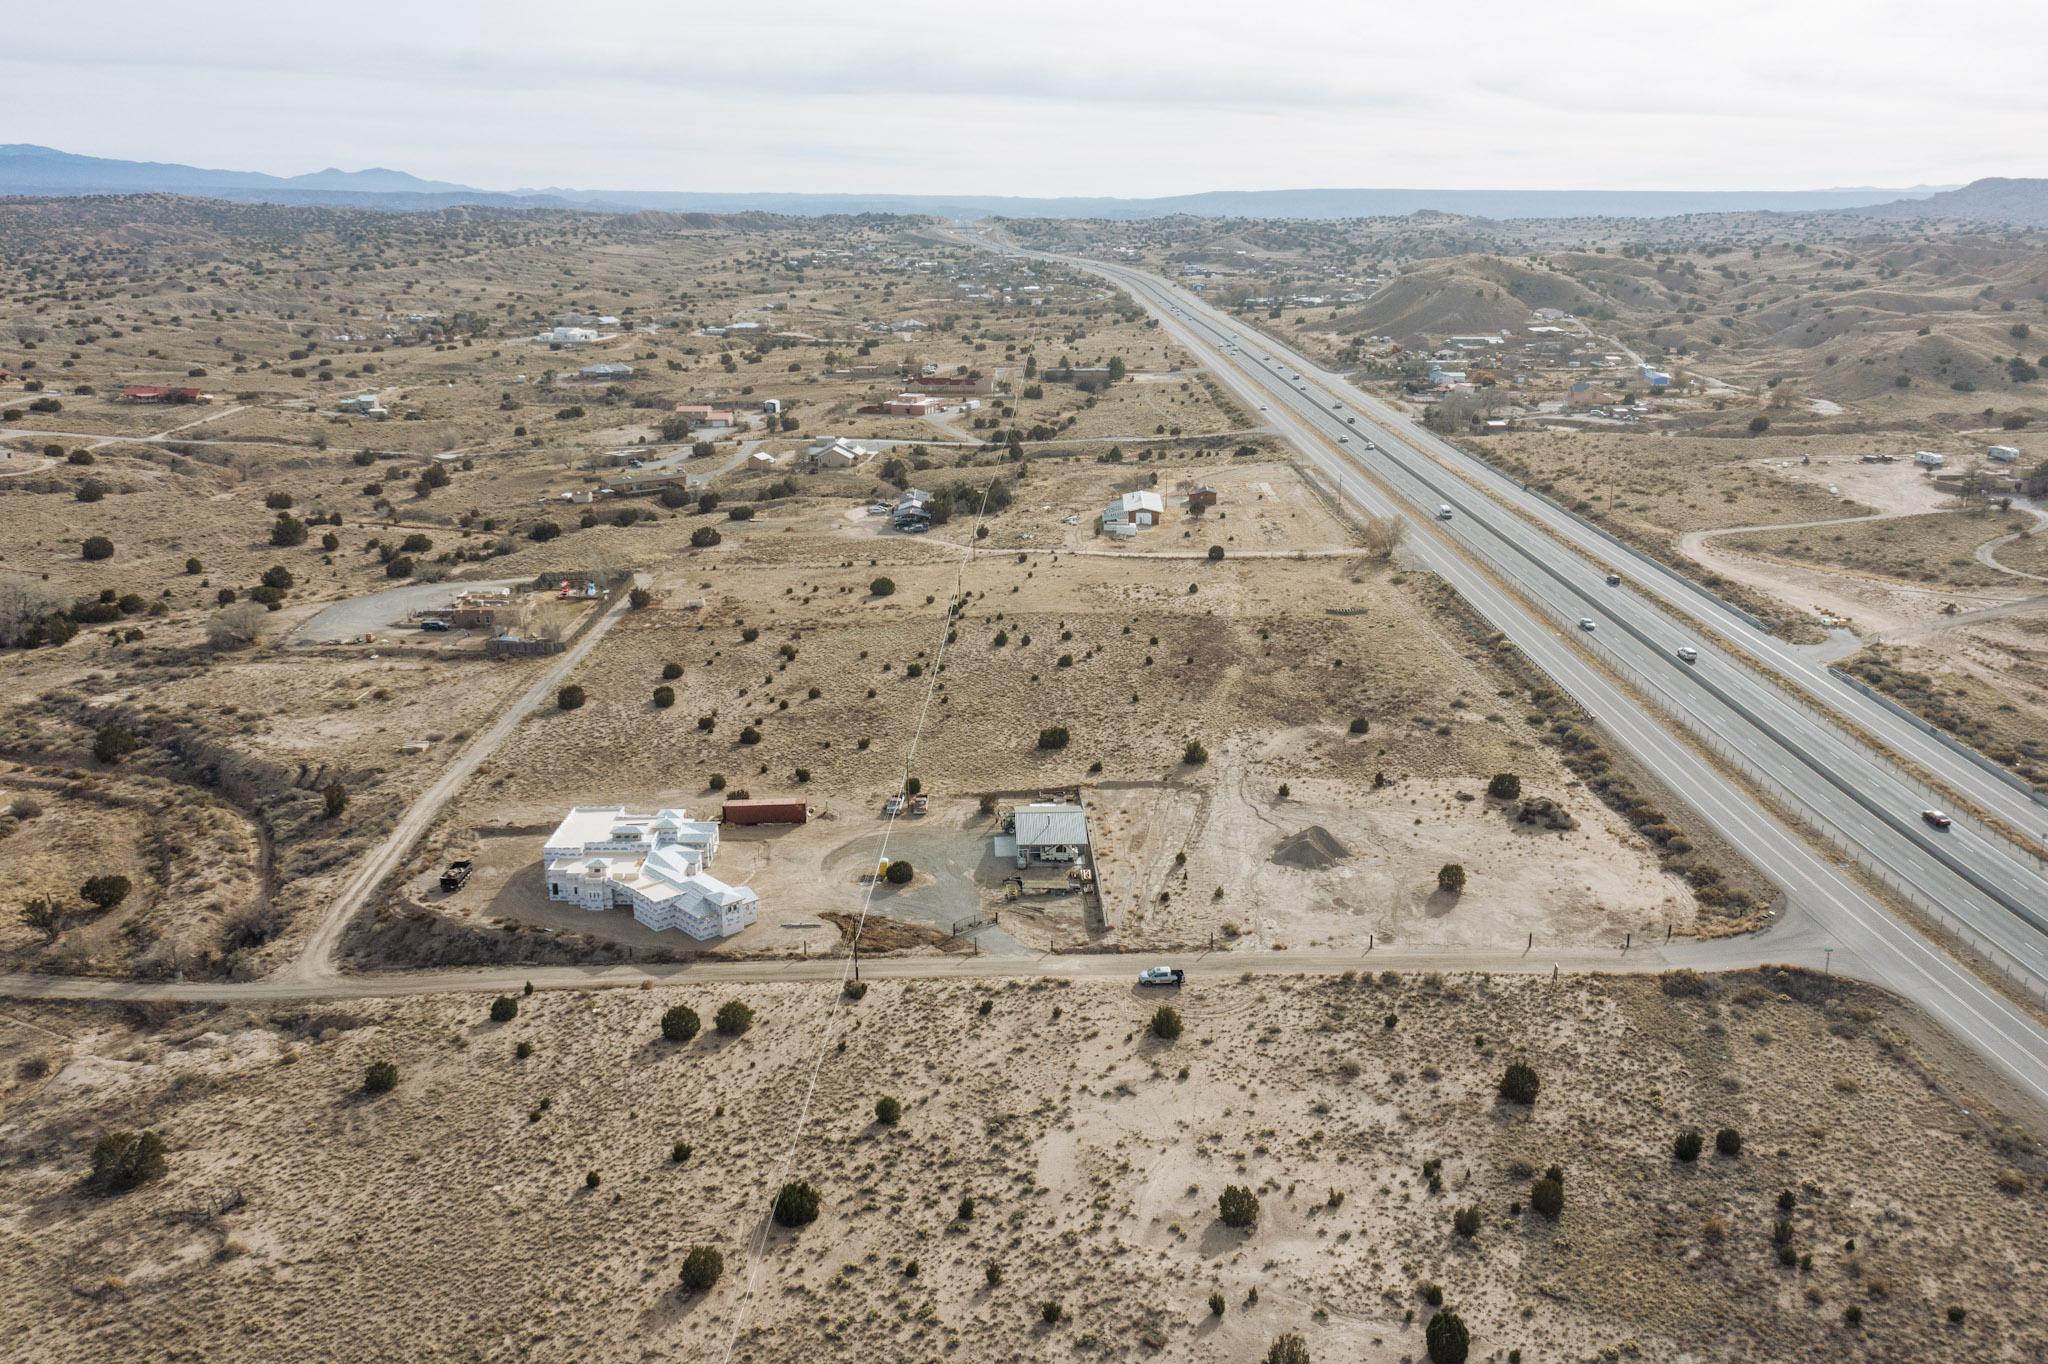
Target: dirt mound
point(1313, 849)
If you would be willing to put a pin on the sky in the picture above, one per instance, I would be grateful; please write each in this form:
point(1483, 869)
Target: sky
point(1047, 97)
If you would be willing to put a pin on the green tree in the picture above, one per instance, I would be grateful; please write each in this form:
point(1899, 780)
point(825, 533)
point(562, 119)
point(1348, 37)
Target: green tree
point(1686, 1146)
point(1519, 1083)
point(287, 531)
point(1053, 738)
point(1546, 1196)
point(664, 697)
point(1238, 1206)
point(899, 873)
point(45, 916)
point(95, 547)
point(882, 587)
point(104, 892)
point(733, 1018)
point(125, 1160)
point(704, 537)
point(1505, 786)
point(113, 742)
point(1215, 554)
point(1288, 1348)
point(796, 1205)
point(504, 1009)
point(336, 799)
point(701, 1268)
point(1450, 878)
point(1194, 755)
point(1447, 1338)
point(1166, 1025)
point(570, 697)
point(640, 597)
point(888, 1111)
point(680, 1023)
point(1728, 1142)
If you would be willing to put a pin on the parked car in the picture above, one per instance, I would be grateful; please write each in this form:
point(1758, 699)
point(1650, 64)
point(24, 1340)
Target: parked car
point(1687, 654)
point(435, 624)
point(1936, 818)
point(1162, 975)
point(457, 873)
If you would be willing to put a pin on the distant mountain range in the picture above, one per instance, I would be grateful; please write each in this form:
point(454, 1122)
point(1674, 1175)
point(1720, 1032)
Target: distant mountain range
point(26, 169)
point(2020, 203)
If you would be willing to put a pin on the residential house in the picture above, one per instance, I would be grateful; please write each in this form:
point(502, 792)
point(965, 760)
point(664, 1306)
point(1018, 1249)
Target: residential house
point(910, 405)
point(1132, 511)
point(606, 371)
point(836, 452)
point(1051, 833)
point(957, 384)
point(362, 405)
point(912, 512)
point(566, 336)
point(702, 415)
point(601, 857)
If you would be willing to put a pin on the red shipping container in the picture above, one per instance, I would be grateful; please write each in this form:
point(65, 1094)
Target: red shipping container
point(765, 812)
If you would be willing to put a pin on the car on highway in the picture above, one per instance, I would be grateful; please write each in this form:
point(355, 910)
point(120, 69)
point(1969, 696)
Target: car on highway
point(1936, 818)
point(1343, 440)
point(1614, 580)
point(1587, 624)
point(1162, 975)
point(1443, 509)
point(1687, 654)
point(1370, 446)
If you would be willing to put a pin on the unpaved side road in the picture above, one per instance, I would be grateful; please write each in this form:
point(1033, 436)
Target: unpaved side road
point(315, 959)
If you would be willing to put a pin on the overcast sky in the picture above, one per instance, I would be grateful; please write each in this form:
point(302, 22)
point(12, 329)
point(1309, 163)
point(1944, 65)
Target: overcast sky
point(1044, 97)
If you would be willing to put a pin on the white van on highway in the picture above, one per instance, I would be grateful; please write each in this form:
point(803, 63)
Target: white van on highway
point(1443, 511)
point(1687, 654)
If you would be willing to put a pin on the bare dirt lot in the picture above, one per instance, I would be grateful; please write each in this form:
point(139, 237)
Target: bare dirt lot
point(1880, 1208)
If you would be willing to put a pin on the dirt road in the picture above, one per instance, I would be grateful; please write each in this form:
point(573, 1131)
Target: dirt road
point(315, 959)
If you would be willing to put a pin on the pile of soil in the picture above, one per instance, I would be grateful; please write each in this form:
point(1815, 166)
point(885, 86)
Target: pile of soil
point(1313, 849)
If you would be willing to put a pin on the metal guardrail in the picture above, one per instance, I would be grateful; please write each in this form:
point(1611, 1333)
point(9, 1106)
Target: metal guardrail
point(1949, 741)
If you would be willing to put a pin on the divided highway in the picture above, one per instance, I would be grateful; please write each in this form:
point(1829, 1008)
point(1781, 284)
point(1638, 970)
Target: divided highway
point(1537, 591)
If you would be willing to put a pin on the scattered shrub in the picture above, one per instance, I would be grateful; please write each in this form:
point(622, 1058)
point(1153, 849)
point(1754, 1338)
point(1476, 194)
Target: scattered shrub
point(570, 697)
point(1166, 1024)
point(1287, 1348)
point(504, 1009)
point(733, 1018)
point(1546, 1196)
point(95, 547)
point(1519, 1083)
point(1687, 1145)
point(104, 892)
point(1238, 1206)
point(701, 1268)
point(888, 1111)
point(1450, 878)
point(1447, 1338)
point(664, 697)
point(680, 1023)
point(380, 1077)
point(125, 1160)
point(1505, 786)
point(1728, 1142)
point(882, 587)
point(796, 1205)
